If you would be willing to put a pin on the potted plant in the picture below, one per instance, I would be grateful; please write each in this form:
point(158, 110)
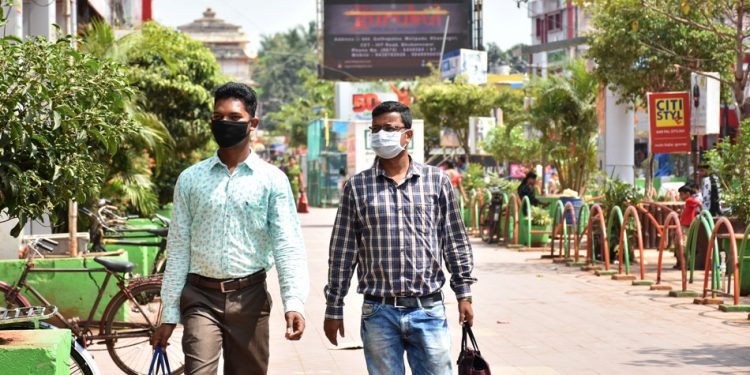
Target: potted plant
point(541, 226)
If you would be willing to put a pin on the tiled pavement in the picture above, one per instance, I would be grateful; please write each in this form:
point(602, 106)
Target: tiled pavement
point(534, 317)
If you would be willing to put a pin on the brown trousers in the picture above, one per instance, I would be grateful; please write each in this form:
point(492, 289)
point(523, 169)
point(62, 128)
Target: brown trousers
point(235, 322)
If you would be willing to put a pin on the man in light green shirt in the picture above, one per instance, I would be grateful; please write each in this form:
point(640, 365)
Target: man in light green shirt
point(234, 217)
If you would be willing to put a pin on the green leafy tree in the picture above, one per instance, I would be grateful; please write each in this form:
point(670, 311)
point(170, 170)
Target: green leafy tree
point(639, 49)
point(726, 25)
point(316, 101)
point(731, 162)
point(510, 144)
point(129, 179)
point(564, 112)
point(280, 59)
point(496, 57)
point(174, 76)
point(62, 113)
point(447, 105)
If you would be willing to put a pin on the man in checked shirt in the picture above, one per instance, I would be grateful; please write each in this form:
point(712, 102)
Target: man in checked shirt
point(397, 224)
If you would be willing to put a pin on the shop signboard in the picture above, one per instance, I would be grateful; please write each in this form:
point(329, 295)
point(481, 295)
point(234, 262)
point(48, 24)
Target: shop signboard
point(356, 100)
point(705, 92)
point(669, 115)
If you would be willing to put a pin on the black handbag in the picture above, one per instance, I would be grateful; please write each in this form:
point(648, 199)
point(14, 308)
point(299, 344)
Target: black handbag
point(470, 361)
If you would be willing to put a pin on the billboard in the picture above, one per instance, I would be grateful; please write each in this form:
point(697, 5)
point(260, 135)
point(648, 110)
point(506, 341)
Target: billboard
point(705, 91)
point(669, 115)
point(390, 39)
point(472, 64)
point(356, 100)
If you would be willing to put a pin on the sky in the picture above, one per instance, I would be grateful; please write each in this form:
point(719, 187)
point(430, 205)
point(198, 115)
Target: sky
point(504, 23)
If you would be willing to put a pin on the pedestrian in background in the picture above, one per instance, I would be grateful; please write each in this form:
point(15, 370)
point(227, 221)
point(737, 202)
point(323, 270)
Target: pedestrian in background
point(294, 174)
point(456, 179)
point(234, 217)
point(397, 224)
point(528, 188)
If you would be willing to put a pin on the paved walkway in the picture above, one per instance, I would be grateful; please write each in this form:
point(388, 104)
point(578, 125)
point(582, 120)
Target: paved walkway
point(534, 317)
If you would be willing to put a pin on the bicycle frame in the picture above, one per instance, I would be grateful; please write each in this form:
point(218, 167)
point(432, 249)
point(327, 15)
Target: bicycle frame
point(80, 328)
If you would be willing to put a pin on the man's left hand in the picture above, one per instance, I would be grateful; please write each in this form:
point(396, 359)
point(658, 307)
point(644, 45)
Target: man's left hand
point(465, 313)
point(295, 325)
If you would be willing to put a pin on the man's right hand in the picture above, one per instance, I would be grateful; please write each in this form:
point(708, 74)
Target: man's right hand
point(162, 335)
point(331, 327)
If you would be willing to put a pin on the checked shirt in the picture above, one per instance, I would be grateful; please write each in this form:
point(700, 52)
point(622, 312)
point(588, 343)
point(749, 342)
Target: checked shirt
point(398, 237)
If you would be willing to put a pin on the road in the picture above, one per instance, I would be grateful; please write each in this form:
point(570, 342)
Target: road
point(534, 317)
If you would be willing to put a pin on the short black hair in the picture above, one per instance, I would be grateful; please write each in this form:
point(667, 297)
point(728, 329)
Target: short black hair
point(449, 164)
point(391, 106)
point(239, 91)
point(685, 189)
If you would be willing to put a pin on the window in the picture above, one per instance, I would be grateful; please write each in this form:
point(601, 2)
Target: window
point(554, 22)
point(539, 26)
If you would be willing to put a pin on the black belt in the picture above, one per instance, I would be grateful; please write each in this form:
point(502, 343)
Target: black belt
point(226, 285)
point(408, 302)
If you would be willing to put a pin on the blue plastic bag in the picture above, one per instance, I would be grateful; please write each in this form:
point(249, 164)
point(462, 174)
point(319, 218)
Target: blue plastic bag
point(159, 363)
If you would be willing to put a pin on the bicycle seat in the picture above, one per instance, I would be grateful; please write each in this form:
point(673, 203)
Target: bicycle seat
point(115, 265)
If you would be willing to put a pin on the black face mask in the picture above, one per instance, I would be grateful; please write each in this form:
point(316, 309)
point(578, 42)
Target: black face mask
point(229, 133)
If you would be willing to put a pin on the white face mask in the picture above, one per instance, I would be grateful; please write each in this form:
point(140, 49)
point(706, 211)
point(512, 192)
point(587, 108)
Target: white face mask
point(387, 145)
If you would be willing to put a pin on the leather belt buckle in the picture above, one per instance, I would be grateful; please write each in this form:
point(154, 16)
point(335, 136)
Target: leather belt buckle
point(225, 290)
point(405, 302)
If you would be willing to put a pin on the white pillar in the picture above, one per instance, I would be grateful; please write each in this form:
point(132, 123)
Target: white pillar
point(619, 139)
point(14, 25)
point(40, 19)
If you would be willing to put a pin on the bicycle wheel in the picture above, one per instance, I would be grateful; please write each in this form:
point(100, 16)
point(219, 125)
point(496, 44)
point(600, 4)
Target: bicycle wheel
point(129, 324)
point(484, 222)
point(6, 303)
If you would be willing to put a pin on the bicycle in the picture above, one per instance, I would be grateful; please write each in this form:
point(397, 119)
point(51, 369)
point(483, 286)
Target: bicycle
point(110, 228)
point(489, 217)
point(128, 321)
point(81, 361)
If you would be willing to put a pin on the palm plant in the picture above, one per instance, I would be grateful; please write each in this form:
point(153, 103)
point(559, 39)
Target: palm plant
point(564, 112)
point(129, 177)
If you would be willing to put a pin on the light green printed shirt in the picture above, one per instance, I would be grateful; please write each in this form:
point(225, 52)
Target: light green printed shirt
point(228, 226)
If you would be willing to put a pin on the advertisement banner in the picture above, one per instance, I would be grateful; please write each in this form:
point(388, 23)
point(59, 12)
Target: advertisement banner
point(365, 156)
point(469, 63)
point(705, 93)
point(356, 100)
point(669, 115)
point(388, 38)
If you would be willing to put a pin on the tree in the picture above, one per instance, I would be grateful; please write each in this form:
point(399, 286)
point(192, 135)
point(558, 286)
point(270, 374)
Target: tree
point(638, 49)
point(497, 57)
point(63, 112)
point(174, 76)
point(728, 23)
point(510, 144)
point(447, 105)
point(292, 118)
point(129, 178)
point(564, 112)
point(280, 59)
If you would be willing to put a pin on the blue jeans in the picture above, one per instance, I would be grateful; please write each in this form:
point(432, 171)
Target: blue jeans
point(388, 331)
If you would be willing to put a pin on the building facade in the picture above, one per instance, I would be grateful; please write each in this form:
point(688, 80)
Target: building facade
point(558, 30)
point(27, 18)
point(226, 41)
